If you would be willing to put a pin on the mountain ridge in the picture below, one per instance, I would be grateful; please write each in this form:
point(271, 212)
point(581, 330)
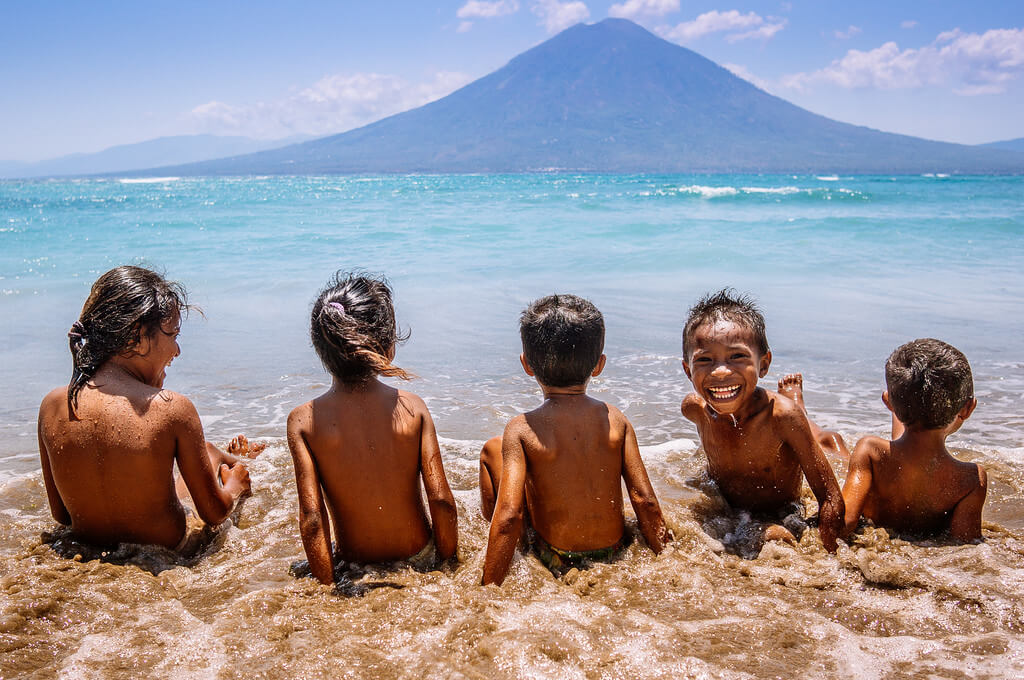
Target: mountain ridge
point(611, 97)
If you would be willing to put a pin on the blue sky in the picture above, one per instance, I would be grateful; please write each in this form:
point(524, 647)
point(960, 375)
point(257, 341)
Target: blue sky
point(80, 77)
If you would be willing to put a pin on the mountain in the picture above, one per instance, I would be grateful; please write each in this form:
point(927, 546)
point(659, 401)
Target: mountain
point(611, 97)
point(1008, 145)
point(156, 152)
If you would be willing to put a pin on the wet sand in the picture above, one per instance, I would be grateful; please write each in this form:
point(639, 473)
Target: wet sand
point(716, 604)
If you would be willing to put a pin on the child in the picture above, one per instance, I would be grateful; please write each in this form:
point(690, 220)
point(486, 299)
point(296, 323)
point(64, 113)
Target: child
point(757, 442)
point(361, 448)
point(108, 442)
point(911, 483)
point(564, 459)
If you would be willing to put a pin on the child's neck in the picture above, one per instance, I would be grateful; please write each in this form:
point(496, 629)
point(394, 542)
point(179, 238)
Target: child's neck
point(560, 392)
point(339, 386)
point(923, 443)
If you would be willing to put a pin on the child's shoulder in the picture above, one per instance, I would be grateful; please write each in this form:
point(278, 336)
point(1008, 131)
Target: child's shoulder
point(54, 399)
point(300, 416)
point(413, 402)
point(693, 405)
point(871, 448)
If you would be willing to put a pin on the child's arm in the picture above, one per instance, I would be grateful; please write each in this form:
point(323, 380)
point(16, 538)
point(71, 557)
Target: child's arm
point(57, 507)
point(314, 521)
point(858, 483)
point(796, 431)
point(641, 494)
point(490, 460)
point(965, 525)
point(440, 501)
point(213, 491)
point(507, 522)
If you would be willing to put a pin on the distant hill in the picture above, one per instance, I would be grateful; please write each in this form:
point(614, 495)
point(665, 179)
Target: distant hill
point(612, 97)
point(1008, 145)
point(156, 152)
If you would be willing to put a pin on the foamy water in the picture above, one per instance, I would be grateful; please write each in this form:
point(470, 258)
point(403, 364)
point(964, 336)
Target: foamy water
point(845, 268)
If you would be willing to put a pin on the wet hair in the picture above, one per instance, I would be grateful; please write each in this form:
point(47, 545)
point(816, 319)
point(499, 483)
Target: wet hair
point(353, 328)
point(725, 305)
point(124, 304)
point(563, 337)
point(929, 382)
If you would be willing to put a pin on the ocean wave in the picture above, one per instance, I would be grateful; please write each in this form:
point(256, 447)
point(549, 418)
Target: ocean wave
point(709, 192)
point(148, 180)
point(730, 192)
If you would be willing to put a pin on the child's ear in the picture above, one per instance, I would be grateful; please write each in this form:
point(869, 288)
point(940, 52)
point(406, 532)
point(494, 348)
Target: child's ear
point(968, 409)
point(140, 348)
point(686, 369)
point(599, 367)
point(764, 364)
point(526, 366)
point(885, 400)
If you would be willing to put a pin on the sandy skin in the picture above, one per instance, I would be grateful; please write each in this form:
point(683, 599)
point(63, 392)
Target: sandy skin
point(912, 483)
point(360, 452)
point(566, 461)
point(759, 444)
point(108, 465)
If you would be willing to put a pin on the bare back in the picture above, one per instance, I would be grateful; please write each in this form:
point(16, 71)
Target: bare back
point(914, 489)
point(111, 465)
point(574, 458)
point(366, 447)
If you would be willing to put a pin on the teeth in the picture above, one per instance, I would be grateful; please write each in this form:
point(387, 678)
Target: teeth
point(724, 392)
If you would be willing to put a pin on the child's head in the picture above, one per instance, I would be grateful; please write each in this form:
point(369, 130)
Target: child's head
point(563, 338)
point(725, 305)
point(353, 329)
point(928, 382)
point(124, 306)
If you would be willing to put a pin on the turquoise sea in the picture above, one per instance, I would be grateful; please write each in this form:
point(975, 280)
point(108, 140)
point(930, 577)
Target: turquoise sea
point(845, 268)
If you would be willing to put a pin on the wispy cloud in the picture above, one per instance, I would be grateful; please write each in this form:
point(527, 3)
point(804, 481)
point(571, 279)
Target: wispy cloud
point(908, 24)
point(556, 16)
point(333, 104)
point(637, 9)
point(969, 63)
point(848, 33)
point(738, 26)
point(741, 71)
point(481, 9)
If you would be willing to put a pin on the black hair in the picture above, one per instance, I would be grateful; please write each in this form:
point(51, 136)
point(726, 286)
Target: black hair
point(123, 304)
point(353, 328)
point(563, 337)
point(929, 381)
point(725, 305)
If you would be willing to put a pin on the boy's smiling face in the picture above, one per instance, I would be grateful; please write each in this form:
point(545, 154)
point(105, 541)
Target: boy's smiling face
point(725, 365)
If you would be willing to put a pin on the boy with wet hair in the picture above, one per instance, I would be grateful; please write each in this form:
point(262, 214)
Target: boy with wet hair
point(759, 443)
point(563, 461)
point(911, 483)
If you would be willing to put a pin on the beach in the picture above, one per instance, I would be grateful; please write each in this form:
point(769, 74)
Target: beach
point(845, 268)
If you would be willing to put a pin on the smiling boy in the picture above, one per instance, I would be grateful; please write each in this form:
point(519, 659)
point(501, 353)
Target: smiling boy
point(758, 443)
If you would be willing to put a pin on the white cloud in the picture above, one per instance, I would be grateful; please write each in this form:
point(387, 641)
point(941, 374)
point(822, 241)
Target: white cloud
point(333, 104)
point(557, 16)
point(635, 9)
point(970, 63)
point(482, 9)
point(848, 33)
point(908, 24)
point(743, 26)
point(487, 10)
